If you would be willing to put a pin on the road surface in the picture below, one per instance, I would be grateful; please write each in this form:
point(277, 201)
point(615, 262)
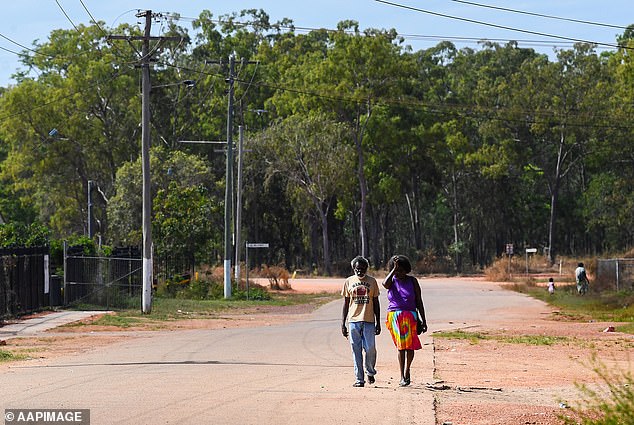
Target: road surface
point(296, 373)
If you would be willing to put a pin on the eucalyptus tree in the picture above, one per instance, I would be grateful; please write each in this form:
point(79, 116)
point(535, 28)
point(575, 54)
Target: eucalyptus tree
point(314, 156)
point(561, 103)
point(177, 176)
point(73, 123)
point(347, 73)
point(608, 203)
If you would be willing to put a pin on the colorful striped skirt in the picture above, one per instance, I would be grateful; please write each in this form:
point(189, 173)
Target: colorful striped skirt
point(402, 326)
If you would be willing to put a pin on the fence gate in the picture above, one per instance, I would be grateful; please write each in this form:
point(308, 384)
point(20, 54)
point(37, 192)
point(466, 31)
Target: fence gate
point(24, 280)
point(618, 272)
point(103, 282)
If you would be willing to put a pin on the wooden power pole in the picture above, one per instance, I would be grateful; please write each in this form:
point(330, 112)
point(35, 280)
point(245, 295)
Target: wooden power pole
point(145, 153)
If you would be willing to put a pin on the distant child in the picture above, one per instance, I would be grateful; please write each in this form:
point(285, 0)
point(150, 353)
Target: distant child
point(551, 286)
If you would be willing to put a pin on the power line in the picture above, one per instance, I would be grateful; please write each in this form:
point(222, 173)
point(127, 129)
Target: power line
point(12, 51)
point(433, 108)
point(19, 45)
point(67, 17)
point(531, 43)
point(504, 27)
point(59, 98)
point(540, 15)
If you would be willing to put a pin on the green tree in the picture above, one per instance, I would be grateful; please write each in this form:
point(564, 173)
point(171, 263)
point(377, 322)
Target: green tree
point(352, 71)
point(86, 91)
point(170, 169)
point(183, 222)
point(313, 154)
point(561, 103)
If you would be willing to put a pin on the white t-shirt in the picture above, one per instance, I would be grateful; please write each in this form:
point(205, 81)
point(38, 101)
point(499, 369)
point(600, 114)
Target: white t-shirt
point(361, 293)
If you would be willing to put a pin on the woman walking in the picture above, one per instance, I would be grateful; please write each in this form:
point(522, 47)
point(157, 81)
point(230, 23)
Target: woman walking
point(405, 313)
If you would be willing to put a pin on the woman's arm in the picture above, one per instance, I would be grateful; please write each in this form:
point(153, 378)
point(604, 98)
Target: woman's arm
point(387, 282)
point(419, 305)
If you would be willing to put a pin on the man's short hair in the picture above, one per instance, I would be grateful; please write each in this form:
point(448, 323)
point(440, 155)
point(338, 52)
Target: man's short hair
point(359, 259)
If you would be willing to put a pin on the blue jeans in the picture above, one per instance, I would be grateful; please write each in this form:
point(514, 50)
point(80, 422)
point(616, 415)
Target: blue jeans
point(362, 339)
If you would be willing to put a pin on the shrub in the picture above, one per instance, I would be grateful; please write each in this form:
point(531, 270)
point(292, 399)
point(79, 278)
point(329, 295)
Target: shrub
point(429, 262)
point(277, 276)
point(501, 271)
point(614, 405)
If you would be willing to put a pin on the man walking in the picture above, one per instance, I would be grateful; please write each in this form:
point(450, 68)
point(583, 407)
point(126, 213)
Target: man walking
point(361, 310)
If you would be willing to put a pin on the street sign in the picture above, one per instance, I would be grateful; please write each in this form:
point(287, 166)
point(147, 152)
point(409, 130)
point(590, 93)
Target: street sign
point(257, 245)
point(531, 250)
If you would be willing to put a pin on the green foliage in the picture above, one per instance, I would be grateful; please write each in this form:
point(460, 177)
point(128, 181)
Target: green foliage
point(7, 356)
point(602, 306)
point(475, 337)
point(472, 337)
point(611, 404)
point(186, 209)
point(182, 224)
point(13, 235)
point(443, 150)
point(202, 289)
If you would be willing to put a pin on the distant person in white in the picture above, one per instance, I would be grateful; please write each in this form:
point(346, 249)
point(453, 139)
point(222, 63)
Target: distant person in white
point(582, 279)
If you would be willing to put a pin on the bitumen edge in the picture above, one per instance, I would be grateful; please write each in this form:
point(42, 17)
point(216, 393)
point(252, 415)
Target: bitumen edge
point(41, 323)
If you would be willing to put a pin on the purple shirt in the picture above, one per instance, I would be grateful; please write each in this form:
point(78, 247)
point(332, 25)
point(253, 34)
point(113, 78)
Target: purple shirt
point(401, 295)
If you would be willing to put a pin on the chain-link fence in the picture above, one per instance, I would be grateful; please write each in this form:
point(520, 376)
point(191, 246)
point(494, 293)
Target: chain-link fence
point(103, 282)
point(616, 273)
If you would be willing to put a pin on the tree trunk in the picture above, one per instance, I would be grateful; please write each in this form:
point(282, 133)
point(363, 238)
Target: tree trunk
point(363, 184)
point(554, 198)
point(456, 236)
point(326, 243)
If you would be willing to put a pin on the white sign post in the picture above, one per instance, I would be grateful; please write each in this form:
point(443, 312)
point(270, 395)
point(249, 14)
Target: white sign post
point(246, 259)
point(529, 251)
point(509, 252)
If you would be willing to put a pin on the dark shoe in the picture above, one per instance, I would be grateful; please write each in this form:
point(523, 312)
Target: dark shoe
point(358, 384)
point(371, 379)
point(404, 382)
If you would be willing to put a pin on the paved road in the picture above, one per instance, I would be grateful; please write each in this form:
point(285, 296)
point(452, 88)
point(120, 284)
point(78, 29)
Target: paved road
point(297, 373)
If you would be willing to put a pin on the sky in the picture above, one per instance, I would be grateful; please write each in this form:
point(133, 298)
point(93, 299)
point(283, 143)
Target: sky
point(424, 23)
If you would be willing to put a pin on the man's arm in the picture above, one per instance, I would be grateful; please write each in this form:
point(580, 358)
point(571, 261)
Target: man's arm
point(377, 314)
point(344, 316)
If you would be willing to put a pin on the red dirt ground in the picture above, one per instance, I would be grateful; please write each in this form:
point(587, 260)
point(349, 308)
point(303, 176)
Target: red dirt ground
point(486, 381)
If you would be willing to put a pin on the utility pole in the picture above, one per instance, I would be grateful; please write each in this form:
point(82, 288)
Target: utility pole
point(239, 201)
point(145, 161)
point(229, 182)
point(229, 177)
point(90, 233)
point(145, 154)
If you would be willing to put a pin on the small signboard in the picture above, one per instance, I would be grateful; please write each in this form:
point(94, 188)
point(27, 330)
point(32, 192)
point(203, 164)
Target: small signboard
point(509, 249)
point(257, 245)
point(531, 250)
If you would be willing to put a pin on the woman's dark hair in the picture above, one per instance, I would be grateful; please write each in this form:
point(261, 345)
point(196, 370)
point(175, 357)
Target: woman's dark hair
point(403, 261)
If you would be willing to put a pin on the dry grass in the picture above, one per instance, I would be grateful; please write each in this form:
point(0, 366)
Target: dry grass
point(505, 270)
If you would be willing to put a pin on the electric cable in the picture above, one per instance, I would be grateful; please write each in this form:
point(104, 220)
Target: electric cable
point(541, 15)
point(504, 27)
point(66, 14)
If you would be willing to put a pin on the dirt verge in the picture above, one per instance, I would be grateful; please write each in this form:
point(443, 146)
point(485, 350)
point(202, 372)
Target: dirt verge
point(523, 373)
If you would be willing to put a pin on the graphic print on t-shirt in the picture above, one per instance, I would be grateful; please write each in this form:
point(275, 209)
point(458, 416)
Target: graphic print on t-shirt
point(360, 293)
